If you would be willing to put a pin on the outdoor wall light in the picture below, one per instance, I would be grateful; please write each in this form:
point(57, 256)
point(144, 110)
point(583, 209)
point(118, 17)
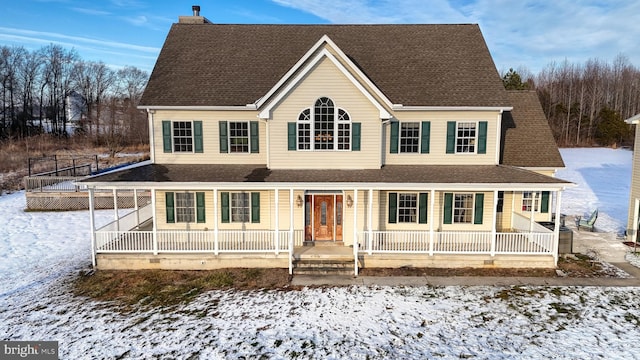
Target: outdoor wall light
point(299, 201)
point(349, 201)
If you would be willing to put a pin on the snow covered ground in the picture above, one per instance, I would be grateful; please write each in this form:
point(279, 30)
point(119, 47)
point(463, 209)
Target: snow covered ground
point(39, 253)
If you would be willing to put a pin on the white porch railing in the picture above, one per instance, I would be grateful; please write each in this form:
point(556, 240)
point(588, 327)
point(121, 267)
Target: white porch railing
point(181, 241)
point(456, 242)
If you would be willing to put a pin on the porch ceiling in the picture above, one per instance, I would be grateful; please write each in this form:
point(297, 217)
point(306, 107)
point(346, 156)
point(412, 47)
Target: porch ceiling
point(394, 174)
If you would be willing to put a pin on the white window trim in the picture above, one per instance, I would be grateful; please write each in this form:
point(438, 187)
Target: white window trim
point(336, 120)
point(475, 146)
point(453, 208)
point(400, 138)
point(193, 138)
point(537, 195)
point(194, 207)
point(231, 207)
point(417, 208)
point(229, 138)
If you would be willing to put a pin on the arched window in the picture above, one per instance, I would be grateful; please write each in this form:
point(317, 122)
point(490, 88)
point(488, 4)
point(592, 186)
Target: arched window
point(323, 120)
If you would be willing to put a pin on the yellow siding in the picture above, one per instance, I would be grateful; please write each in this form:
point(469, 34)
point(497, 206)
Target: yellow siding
point(438, 138)
point(210, 129)
point(325, 80)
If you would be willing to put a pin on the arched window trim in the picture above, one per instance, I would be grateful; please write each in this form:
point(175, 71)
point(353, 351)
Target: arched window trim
point(306, 129)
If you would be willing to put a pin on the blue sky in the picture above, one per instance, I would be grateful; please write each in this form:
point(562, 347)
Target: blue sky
point(519, 33)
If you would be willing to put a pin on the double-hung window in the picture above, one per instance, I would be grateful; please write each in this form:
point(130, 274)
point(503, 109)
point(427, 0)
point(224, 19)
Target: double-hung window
point(240, 207)
point(463, 208)
point(185, 207)
point(530, 200)
point(239, 137)
point(467, 137)
point(324, 127)
point(182, 136)
point(408, 207)
point(410, 137)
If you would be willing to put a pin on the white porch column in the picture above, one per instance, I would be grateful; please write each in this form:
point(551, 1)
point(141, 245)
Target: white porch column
point(370, 221)
point(136, 207)
point(493, 222)
point(92, 222)
point(277, 220)
point(155, 222)
point(115, 209)
point(634, 225)
point(355, 231)
point(216, 246)
point(291, 242)
point(556, 228)
point(533, 210)
point(432, 204)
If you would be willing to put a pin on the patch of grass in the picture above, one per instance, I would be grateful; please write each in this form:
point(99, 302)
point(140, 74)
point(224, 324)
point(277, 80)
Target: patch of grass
point(166, 288)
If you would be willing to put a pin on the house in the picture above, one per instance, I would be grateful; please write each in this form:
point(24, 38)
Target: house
point(634, 197)
point(392, 145)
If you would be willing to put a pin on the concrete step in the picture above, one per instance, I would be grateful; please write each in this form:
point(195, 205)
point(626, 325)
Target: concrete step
point(322, 267)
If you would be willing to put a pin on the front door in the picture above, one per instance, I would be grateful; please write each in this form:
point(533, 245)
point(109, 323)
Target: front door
point(323, 214)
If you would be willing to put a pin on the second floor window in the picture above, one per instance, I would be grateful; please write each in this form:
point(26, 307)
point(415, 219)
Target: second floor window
point(466, 137)
point(182, 136)
point(324, 127)
point(238, 137)
point(409, 137)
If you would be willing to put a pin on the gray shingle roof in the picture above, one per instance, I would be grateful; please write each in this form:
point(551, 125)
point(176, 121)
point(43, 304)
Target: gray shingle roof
point(528, 141)
point(420, 65)
point(398, 174)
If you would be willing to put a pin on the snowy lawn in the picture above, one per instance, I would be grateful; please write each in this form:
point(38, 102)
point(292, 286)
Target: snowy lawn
point(41, 252)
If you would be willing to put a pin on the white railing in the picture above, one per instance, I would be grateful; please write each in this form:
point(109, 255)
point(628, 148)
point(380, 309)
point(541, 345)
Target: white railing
point(522, 224)
point(178, 241)
point(456, 242)
point(130, 221)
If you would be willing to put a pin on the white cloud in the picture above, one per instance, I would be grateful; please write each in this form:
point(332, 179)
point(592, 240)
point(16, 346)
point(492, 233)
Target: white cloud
point(90, 11)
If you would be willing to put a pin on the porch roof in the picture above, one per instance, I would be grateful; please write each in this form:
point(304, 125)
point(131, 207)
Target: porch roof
point(156, 175)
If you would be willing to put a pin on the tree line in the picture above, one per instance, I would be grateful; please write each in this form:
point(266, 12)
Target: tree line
point(586, 104)
point(45, 90)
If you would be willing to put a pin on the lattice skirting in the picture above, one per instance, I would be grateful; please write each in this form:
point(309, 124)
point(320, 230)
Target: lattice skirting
point(80, 200)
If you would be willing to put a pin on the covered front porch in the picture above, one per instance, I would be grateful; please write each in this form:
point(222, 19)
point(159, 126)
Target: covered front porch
point(133, 241)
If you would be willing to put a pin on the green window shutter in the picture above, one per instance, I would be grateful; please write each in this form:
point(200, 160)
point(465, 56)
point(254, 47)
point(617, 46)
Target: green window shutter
point(197, 136)
point(544, 206)
point(395, 130)
point(451, 137)
point(291, 135)
point(393, 208)
point(478, 209)
point(482, 137)
point(255, 207)
point(448, 208)
point(224, 142)
point(168, 196)
point(422, 205)
point(224, 207)
point(255, 137)
point(425, 137)
point(166, 136)
point(355, 136)
point(200, 207)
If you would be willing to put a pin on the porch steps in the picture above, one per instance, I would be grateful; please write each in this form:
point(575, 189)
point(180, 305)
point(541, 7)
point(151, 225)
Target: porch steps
point(323, 267)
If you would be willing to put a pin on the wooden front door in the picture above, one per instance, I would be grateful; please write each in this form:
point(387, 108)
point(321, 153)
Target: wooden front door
point(323, 210)
point(323, 214)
